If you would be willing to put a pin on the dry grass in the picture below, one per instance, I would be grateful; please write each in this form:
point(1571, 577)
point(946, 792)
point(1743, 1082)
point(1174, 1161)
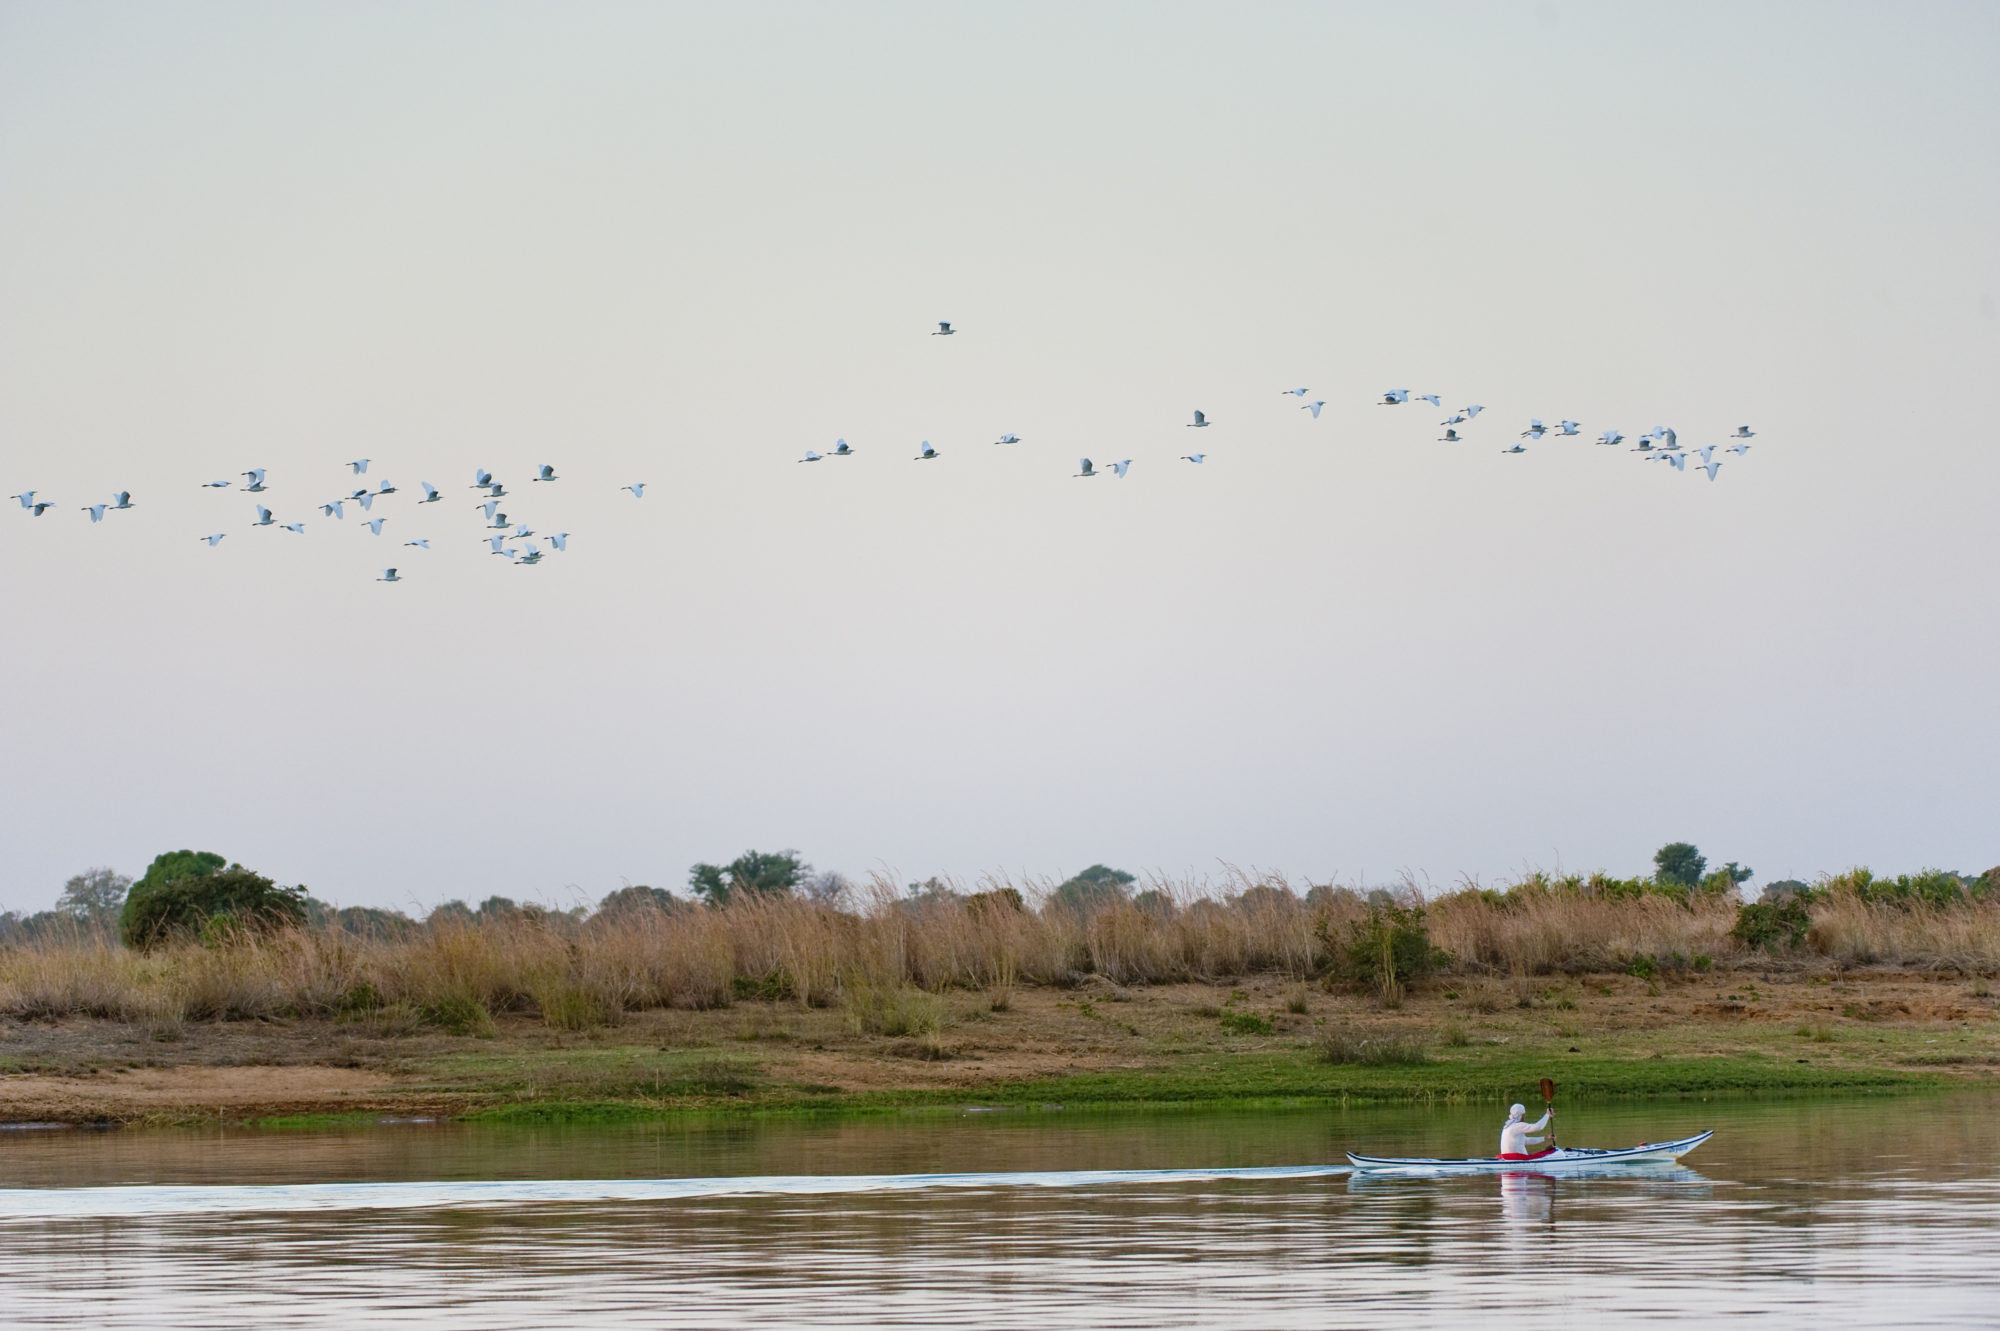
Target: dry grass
point(883, 961)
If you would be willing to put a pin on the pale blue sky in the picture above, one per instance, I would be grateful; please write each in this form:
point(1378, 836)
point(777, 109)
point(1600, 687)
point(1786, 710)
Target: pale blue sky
point(683, 244)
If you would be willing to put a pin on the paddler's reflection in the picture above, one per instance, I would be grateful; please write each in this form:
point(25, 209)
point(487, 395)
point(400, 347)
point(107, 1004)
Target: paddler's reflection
point(1525, 1197)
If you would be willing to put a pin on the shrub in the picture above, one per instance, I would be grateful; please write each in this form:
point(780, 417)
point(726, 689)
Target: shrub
point(753, 873)
point(1770, 925)
point(1245, 1023)
point(183, 890)
point(1385, 948)
point(1093, 889)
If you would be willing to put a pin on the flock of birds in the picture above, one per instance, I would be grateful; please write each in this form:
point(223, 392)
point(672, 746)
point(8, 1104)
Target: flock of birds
point(517, 541)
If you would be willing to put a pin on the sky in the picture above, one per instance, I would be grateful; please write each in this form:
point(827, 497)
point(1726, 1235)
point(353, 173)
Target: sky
point(683, 244)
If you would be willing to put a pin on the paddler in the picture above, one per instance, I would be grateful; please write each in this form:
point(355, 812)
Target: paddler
point(1515, 1143)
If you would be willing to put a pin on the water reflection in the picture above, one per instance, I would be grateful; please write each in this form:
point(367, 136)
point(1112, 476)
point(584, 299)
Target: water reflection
point(1164, 1220)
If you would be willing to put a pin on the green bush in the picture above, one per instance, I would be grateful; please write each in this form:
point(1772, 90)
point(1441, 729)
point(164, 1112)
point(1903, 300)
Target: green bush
point(1245, 1023)
point(184, 890)
point(753, 873)
point(1385, 949)
point(1774, 924)
point(1095, 888)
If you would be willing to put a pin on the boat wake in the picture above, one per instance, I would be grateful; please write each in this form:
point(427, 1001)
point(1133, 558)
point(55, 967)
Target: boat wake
point(19, 1204)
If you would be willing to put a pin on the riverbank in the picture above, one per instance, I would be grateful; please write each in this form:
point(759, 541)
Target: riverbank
point(1262, 1039)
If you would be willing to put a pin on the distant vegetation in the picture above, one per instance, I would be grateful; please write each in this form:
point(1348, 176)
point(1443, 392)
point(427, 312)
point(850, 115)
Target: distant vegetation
point(222, 941)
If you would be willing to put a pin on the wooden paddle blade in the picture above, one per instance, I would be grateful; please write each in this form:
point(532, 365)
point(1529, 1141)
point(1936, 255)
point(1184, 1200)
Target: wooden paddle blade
point(1548, 1089)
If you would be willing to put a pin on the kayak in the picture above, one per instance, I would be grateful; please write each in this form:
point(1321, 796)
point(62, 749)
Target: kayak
point(1652, 1153)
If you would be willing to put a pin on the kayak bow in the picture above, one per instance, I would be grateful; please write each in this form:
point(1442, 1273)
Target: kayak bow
point(1653, 1153)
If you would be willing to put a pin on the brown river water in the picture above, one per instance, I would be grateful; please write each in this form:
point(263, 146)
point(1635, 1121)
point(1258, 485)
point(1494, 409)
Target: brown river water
point(1822, 1213)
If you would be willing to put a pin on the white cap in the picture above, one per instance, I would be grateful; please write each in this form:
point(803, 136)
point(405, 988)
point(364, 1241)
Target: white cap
point(1516, 1112)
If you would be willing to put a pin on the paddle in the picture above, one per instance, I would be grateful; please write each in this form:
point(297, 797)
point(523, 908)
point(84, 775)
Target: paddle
point(1549, 1103)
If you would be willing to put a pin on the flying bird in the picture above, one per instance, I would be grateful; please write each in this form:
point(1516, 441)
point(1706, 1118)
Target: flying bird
point(263, 517)
point(1678, 461)
point(560, 540)
point(638, 489)
point(841, 450)
point(27, 498)
point(1088, 470)
point(122, 500)
point(1515, 449)
point(1395, 397)
point(496, 542)
point(810, 456)
point(490, 507)
point(216, 485)
point(213, 540)
point(96, 511)
point(365, 499)
point(521, 532)
point(421, 545)
point(1456, 418)
point(1296, 392)
point(546, 473)
point(1008, 439)
point(1200, 421)
point(39, 507)
point(1535, 430)
point(1611, 437)
point(1193, 457)
point(337, 509)
point(1472, 411)
point(1449, 437)
point(532, 557)
point(431, 495)
point(1431, 398)
point(1711, 468)
point(374, 525)
point(481, 478)
point(256, 475)
point(359, 465)
point(1707, 451)
point(499, 522)
point(944, 329)
point(1739, 449)
point(389, 575)
point(1566, 427)
point(1120, 467)
point(297, 528)
point(927, 454)
point(1744, 432)
point(1313, 407)
point(385, 488)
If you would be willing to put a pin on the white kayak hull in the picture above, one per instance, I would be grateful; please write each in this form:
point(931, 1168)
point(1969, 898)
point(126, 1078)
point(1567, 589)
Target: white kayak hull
point(1652, 1153)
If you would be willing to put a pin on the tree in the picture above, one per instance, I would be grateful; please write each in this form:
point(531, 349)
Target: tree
point(95, 896)
point(1679, 863)
point(185, 891)
point(1093, 889)
point(753, 873)
point(633, 900)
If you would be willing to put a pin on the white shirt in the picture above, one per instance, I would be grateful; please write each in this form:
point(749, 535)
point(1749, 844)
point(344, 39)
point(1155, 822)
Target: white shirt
point(1514, 1138)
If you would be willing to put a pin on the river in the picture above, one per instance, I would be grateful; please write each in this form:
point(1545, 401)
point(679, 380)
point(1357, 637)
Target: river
point(1821, 1213)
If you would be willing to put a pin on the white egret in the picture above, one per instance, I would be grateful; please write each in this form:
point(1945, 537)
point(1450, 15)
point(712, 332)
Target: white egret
point(213, 540)
point(1431, 398)
point(1008, 439)
point(389, 575)
point(1472, 412)
point(1200, 421)
point(366, 500)
point(263, 517)
point(481, 478)
point(1295, 392)
point(500, 522)
point(296, 528)
point(1456, 418)
point(39, 507)
point(944, 329)
point(431, 495)
point(1088, 470)
point(926, 453)
point(96, 511)
point(27, 498)
point(1711, 468)
point(360, 465)
point(546, 473)
point(216, 485)
point(122, 500)
point(337, 509)
point(1515, 449)
point(810, 456)
point(256, 475)
point(1611, 437)
point(1566, 427)
point(1739, 449)
point(1395, 397)
point(638, 489)
point(1193, 457)
point(374, 525)
point(385, 488)
point(560, 540)
point(1678, 461)
point(1314, 407)
point(532, 557)
point(1449, 437)
point(841, 450)
point(423, 544)
point(496, 542)
point(1707, 451)
point(490, 507)
point(1535, 429)
point(1672, 440)
point(521, 532)
point(1744, 432)
point(1120, 467)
